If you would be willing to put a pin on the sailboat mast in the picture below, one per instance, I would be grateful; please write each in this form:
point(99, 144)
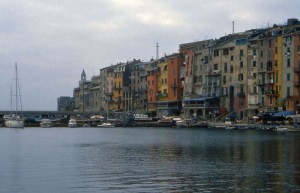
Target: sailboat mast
point(16, 88)
point(11, 99)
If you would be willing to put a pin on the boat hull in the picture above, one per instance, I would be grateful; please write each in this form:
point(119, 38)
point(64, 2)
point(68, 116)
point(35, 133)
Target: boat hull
point(14, 123)
point(72, 125)
point(46, 125)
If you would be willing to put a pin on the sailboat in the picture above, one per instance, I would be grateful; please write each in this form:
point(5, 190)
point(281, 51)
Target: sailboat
point(14, 120)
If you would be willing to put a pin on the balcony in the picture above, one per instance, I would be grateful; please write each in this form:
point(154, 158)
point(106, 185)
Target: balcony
point(173, 86)
point(270, 81)
point(214, 73)
point(117, 101)
point(297, 83)
point(261, 82)
point(108, 93)
point(270, 69)
point(162, 95)
point(271, 92)
point(297, 69)
point(110, 101)
point(241, 94)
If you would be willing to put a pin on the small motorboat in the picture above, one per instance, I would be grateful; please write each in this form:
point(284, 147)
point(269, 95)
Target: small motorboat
point(106, 125)
point(46, 123)
point(72, 123)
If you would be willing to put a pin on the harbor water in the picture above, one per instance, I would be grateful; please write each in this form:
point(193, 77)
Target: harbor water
point(148, 160)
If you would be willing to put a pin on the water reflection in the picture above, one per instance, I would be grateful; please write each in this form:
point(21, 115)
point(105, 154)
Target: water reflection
point(148, 160)
point(210, 161)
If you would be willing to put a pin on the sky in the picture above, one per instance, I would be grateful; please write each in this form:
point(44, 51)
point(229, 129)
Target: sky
point(52, 41)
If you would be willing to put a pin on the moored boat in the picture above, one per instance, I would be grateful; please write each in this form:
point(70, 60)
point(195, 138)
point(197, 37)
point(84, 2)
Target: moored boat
point(14, 120)
point(46, 123)
point(72, 123)
point(142, 117)
point(106, 125)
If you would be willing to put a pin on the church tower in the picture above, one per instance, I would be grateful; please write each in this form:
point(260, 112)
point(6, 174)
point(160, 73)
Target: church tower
point(83, 76)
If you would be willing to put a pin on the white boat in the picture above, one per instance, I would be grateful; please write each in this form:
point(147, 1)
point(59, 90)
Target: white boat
point(106, 125)
point(72, 123)
point(181, 124)
point(142, 117)
point(281, 128)
point(14, 120)
point(46, 123)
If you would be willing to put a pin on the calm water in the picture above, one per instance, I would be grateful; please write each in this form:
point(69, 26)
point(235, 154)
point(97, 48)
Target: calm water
point(148, 160)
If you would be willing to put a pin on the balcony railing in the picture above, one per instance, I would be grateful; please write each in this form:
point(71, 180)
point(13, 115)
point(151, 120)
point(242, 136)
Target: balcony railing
point(241, 93)
point(214, 73)
point(174, 86)
point(296, 83)
point(118, 88)
point(162, 95)
point(261, 82)
point(270, 81)
point(271, 92)
point(297, 69)
point(108, 93)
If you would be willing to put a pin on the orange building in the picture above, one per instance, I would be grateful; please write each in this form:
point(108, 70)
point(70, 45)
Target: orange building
point(175, 88)
point(152, 78)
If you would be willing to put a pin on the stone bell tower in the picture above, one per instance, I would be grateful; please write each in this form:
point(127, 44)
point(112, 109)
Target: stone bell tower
point(83, 76)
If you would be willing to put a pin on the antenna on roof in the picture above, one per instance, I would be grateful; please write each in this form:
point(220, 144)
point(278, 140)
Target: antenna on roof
point(157, 51)
point(233, 27)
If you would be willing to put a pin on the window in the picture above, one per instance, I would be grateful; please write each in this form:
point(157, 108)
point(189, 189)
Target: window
point(225, 51)
point(261, 53)
point(241, 52)
point(254, 52)
point(255, 90)
point(276, 50)
point(288, 62)
point(216, 53)
point(151, 92)
point(231, 58)
point(195, 79)
point(215, 66)
point(254, 63)
point(231, 69)
point(240, 77)
point(241, 64)
point(261, 65)
point(205, 59)
point(225, 67)
point(288, 77)
point(224, 79)
point(288, 91)
point(152, 82)
point(254, 75)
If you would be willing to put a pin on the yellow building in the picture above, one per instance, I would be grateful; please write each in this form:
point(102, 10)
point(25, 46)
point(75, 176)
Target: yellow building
point(278, 71)
point(162, 84)
point(119, 71)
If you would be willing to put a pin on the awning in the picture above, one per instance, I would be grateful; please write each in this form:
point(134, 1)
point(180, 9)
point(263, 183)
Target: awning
point(284, 113)
point(200, 99)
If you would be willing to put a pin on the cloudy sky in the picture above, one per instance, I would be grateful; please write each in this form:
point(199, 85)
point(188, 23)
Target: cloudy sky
point(52, 41)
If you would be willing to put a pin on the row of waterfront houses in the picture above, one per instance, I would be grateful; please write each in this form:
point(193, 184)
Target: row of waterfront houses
point(248, 72)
